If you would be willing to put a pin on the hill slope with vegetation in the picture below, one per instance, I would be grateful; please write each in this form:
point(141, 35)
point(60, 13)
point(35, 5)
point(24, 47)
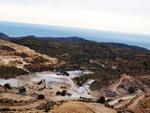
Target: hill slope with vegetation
point(17, 60)
point(98, 57)
point(125, 46)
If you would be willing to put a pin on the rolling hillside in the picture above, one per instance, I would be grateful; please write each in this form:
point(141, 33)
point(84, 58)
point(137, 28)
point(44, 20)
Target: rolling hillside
point(92, 55)
point(17, 60)
point(75, 39)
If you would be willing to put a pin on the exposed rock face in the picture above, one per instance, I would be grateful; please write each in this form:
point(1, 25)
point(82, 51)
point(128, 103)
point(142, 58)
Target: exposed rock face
point(20, 56)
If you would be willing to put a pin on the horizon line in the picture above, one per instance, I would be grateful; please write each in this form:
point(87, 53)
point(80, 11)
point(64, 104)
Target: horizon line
point(124, 32)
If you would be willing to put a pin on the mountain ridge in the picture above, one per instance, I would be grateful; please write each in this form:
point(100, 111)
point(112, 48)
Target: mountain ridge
point(65, 39)
point(126, 46)
point(15, 29)
point(4, 36)
point(75, 39)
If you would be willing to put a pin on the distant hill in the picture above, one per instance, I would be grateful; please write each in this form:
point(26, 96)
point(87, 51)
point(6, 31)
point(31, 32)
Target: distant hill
point(64, 39)
point(125, 46)
point(77, 40)
point(91, 55)
point(74, 39)
point(4, 37)
point(14, 29)
point(59, 39)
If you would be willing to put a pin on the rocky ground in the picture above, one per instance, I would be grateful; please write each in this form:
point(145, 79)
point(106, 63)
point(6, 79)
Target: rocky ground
point(23, 58)
point(13, 100)
point(72, 107)
point(79, 100)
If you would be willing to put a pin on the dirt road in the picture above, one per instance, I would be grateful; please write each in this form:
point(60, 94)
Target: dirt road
point(114, 86)
point(132, 106)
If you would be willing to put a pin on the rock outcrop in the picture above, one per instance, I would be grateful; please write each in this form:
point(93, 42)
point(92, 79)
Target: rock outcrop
point(23, 57)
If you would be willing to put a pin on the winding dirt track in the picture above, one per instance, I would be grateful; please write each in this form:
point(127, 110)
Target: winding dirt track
point(132, 106)
point(114, 86)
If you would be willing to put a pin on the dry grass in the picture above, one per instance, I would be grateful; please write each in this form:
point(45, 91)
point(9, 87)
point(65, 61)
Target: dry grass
point(72, 107)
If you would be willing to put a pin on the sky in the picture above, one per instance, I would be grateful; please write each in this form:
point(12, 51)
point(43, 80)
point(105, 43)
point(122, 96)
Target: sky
point(113, 15)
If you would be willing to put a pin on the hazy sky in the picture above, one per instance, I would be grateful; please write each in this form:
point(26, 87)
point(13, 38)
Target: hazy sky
point(114, 15)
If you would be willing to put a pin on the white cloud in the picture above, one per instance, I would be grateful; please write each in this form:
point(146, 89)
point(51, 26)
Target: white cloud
point(116, 15)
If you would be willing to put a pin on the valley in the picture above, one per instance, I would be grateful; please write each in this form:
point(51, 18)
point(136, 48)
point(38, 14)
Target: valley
point(74, 56)
point(49, 84)
point(61, 76)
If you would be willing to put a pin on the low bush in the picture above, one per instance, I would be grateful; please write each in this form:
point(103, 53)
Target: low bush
point(7, 86)
point(41, 97)
point(101, 100)
point(22, 90)
point(12, 71)
point(63, 93)
point(58, 93)
point(131, 90)
point(7, 48)
point(5, 109)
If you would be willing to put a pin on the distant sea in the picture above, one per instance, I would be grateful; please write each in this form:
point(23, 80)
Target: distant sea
point(14, 29)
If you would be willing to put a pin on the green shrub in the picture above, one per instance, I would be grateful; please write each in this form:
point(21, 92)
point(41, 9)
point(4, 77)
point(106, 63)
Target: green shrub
point(131, 90)
point(101, 100)
point(7, 48)
point(23, 55)
point(63, 93)
point(12, 71)
point(41, 97)
point(65, 73)
point(22, 90)
point(5, 109)
point(7, 86)
point(39, 60)
point(122, 86)
point(58, 93)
